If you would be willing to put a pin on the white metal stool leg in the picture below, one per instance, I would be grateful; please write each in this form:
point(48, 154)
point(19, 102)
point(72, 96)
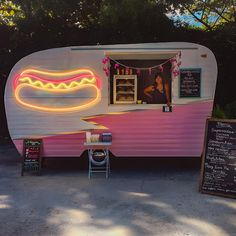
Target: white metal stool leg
point(107, 163)
point(89, 159)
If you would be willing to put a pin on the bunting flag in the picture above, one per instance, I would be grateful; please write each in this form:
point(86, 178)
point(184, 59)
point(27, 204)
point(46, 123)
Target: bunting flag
point(175, 66)
point(106, 65)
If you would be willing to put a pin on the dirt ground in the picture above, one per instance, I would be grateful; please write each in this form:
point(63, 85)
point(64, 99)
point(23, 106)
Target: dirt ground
point(141, 197)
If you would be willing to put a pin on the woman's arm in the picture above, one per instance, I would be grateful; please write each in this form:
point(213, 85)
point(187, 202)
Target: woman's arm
point(167, 90)
point(148, 90)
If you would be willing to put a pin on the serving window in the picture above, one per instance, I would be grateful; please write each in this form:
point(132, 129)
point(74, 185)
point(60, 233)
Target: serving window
point(140, 81)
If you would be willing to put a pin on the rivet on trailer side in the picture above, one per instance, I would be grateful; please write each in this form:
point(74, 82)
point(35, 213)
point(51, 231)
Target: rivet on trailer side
point(59, 94)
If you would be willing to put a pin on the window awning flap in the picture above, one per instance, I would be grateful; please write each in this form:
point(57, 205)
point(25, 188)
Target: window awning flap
point(141, 55)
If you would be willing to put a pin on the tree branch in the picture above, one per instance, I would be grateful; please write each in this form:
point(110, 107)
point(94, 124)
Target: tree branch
point(198, 19)
point(218, 12)
point(204, 9)
point(214, 24)
point(217, 19)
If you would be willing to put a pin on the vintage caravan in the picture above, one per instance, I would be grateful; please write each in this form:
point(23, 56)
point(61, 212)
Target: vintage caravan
point(59, 94)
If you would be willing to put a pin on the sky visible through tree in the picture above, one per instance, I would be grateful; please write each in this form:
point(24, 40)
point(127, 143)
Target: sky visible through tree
point(186, 19)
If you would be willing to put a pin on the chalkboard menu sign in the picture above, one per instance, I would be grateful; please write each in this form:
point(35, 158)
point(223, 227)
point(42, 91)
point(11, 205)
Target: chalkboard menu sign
point(190, 83)
point(32, 159)
point(218, 172)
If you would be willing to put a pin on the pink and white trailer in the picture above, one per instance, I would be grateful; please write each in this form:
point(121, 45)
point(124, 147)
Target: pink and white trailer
point(59, 94)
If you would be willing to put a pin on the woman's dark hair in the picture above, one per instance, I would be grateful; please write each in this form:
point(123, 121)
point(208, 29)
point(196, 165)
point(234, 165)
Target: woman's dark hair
point(156, 75)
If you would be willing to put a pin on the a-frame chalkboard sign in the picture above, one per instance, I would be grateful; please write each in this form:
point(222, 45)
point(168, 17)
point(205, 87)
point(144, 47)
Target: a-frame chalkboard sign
point(32, 156)
point(218, 170)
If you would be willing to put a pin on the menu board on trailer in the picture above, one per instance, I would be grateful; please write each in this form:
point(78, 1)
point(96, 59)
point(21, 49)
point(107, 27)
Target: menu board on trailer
point(32, 159)
point(218, 171)
point(190, 83)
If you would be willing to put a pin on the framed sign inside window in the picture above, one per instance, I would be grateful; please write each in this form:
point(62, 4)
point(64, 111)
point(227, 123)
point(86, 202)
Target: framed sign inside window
point(190, 83)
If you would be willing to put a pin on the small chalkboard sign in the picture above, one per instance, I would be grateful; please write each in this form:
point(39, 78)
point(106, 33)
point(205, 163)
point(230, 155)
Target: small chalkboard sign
point(218, 170)
point(190, 83)
point(32, 159)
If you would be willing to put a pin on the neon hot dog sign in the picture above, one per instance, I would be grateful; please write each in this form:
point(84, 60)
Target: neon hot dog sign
point(42, 81)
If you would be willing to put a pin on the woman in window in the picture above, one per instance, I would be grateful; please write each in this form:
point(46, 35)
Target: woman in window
point(159, 92)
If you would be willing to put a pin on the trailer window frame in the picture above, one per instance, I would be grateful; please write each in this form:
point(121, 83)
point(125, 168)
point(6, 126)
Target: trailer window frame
point(141, 56)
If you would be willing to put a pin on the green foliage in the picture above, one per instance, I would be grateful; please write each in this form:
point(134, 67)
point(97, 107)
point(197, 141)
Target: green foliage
point(134, 20)
point(230, 110)
point(218, 112)
point(70, 13)
point(212, 14)
point(10, 13)
point(227, 112)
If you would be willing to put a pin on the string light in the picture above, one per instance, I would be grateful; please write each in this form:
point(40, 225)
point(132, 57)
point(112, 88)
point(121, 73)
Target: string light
point(143, 68)
point(174, 69)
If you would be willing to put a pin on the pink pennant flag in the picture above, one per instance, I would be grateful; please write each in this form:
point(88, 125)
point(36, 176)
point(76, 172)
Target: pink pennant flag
point(172, 60)
point(160, 67)
point(105, 60)
point(116, 66)
point(176, 73)
point(150, 71)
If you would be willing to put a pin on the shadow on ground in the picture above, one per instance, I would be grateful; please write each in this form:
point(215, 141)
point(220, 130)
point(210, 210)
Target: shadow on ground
point(142, 197)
